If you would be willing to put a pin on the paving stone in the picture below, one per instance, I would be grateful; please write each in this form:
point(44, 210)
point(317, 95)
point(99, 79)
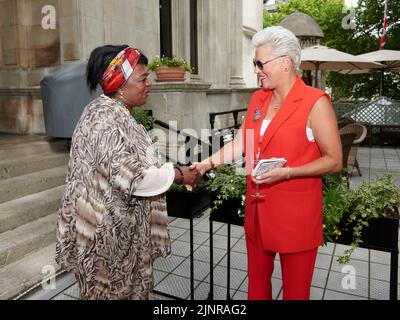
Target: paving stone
point(316, 293)
point(219, 293)
point(176, 286)
point(198, 237)
point(236, 231)
point(240, 246)
point(240, 295)
point(380, 290)
point(221, 242)
point(358, 253)
point(380, 257)
point(182, 248)
point(159, 276)
point(323, 261)
point(200, 269)
point(180, 223)
point(175, 232)
point(334, 295)
point(63, 297)
point(361, 267)
point(380, 271)
point(168, 264)
point(326, 249)
point(73, 291)
point(220, 277)
point(238, 261)
point(203, 254)
point(319, 278)
point(335, 283)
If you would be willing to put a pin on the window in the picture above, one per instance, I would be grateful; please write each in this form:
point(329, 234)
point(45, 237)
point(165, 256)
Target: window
point(193, 36)
point(165, 28)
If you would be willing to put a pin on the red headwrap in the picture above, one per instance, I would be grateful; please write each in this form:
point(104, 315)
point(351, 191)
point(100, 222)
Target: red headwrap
point(119, 70)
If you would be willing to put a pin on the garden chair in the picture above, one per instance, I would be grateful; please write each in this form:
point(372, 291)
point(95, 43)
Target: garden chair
point(342, 122)
point(361, 133)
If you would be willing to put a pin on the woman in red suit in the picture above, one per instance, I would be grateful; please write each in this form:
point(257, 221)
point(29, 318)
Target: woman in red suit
point(287, 119)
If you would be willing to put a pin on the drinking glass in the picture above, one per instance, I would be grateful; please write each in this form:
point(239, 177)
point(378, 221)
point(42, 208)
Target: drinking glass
point(258, 194)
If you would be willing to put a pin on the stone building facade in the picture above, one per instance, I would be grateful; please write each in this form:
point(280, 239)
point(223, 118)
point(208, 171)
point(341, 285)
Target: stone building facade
point(39, 35)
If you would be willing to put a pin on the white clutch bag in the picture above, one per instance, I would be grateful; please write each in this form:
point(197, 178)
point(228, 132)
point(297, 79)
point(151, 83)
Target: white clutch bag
point(265, 165)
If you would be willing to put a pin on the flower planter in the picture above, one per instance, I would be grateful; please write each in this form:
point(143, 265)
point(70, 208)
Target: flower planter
point(187, 204)
point(227, 212)
point(381, 234)
point(170, 74)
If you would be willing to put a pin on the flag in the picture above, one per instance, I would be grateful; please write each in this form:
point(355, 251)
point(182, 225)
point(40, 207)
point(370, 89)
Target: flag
point(384, 28)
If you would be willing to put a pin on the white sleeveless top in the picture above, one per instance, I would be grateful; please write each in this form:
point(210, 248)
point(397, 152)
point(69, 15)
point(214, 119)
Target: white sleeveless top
point(265, 124)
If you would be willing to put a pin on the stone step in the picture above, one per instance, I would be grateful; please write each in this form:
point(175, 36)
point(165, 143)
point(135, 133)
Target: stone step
point(29, 208)
point(21, 186)
point(18, 167)
point(30, 237)
point(31, 148)
point(9, 138)
point(23, 274)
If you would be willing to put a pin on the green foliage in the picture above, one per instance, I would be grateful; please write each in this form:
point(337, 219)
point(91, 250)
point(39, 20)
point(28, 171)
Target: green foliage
point(228, 182)
point(143, 117)
point(180, 188)
point(347, 209)
point(176, 188)
point(365, 38)
point(335, 205)
point(169, 62)
point(329, 14)
point(343, 208)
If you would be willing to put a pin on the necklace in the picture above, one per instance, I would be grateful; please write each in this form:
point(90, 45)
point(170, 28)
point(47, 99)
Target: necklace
point(277, 106)
point(122, 104)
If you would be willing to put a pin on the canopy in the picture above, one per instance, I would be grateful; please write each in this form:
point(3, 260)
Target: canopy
point(324, 58)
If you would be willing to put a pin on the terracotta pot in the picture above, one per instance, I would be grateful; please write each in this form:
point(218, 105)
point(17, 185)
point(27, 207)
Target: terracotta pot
point(170, 74)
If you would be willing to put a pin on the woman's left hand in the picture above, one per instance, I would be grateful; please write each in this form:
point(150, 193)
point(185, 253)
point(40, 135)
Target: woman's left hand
point(272, 176)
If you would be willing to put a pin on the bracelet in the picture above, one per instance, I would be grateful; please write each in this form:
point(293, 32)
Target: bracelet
point(180, 171)
point(289, 173)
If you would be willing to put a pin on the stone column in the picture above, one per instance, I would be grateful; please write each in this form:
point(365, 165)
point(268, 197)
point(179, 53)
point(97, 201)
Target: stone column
point(70, 35)
point(181, 29)
point(235, 34)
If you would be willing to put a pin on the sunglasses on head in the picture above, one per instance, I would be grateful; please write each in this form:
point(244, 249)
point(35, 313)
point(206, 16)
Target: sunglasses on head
point(260, 65)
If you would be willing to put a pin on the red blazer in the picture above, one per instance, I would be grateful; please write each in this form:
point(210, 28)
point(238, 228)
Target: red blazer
point(290, 214)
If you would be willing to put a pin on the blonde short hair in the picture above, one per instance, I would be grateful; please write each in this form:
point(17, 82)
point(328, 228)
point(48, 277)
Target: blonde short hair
point(282, 42)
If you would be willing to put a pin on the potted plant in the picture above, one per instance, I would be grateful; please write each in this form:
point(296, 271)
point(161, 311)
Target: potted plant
point(185, 204)
point(169, 69)
point(366, 216)
point(143, 117)
point(227, 185)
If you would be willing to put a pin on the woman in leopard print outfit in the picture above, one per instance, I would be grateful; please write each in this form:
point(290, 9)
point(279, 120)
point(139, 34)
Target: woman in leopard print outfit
point(112, 222)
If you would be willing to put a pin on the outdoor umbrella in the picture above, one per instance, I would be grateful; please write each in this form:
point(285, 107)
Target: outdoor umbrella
point(324, 58)
point(390, 59)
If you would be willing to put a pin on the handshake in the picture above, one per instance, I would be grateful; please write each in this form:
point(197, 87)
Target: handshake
point(190, 176)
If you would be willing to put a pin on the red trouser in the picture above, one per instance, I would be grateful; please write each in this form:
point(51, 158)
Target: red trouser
point(297, 271)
